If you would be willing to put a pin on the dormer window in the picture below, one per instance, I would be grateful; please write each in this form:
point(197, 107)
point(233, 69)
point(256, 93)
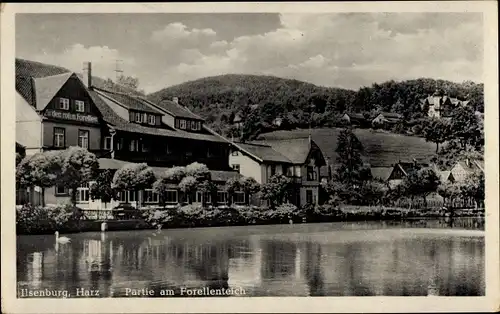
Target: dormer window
point(195, 125)
point(152, 119)
point(138, 118)
point(182, 124)
point(64, 103)
point(80, 106)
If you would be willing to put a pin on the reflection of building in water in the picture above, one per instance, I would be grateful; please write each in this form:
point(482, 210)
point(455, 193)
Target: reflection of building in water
point(245, 265)
point(34, 272)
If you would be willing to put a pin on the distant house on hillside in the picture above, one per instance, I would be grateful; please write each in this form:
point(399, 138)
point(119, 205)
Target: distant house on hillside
point(353, 118)
point(385, 118)
point(441, 106)
point(446, 176)
point(381, 173)
point(299, 159)
point(401, 170)
point(466, 167)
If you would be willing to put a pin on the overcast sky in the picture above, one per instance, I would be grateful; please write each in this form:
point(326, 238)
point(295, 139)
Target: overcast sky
point(342, 50)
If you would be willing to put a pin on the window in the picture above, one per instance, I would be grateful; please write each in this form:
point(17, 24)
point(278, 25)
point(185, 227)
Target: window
point(138, 117)
point(239, 198)
point(80, 105)
point(195, 125)
point(221, 197)
point(289, 171)
point(134, 145)
point(234, 153)
point(297, 171)
point(64, 103)
point(59, 137)
point(182, 124)
point(188, 124)
point(152, 119)
point(199, 197)
point(83, 138)
point(309, 196)
point(82, 193)
point(167, 149)
point(150, 196)
point(107, 142)
point(144, 147)
point(145, 117)
point(171, 197)
point(119, 144)
point(236, 167)
point(122, 197)
point(273, 170)
point(208, 197)
point(132, 196)
point(311, 174)
point(62, 190)
point(189, 153)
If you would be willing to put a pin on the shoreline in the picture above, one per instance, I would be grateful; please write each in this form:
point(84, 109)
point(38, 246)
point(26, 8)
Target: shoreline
point(139, 224)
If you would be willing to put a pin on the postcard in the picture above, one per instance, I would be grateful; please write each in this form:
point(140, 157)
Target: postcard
point(250, 157)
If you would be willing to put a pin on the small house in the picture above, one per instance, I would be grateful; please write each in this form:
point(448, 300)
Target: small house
point(387, 118)
point(462, 169)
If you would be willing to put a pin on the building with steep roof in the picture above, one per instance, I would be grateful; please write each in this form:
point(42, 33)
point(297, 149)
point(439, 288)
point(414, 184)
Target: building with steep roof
point(299, 159)
point(441, 105)
point(56, 109)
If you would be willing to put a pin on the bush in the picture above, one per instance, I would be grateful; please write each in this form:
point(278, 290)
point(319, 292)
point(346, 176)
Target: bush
point(282, 213)
point(37, 219)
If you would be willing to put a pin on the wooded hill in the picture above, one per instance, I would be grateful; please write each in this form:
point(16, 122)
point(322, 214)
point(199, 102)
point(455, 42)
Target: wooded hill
point(301, 104)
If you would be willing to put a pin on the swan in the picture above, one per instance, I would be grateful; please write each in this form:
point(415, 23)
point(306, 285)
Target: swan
point(61, 239)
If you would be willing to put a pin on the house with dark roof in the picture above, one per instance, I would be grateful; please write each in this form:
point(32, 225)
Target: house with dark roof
point(56, 109)
point(353, 118)
point(299, 159)
point(401, 169)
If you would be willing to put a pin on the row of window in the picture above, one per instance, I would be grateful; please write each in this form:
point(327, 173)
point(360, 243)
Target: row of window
point(142, 117)
point(60, 138)
point(189, 125)
point(64, 104)
point(171, 196)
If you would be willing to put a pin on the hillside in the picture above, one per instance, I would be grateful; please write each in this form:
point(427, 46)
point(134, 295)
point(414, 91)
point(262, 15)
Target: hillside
point(381, 149)
point(219, 98)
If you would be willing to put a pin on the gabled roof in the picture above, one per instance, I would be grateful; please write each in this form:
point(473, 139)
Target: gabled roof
point(295, 149)
point(354, 115)
point(47, 87)
point(128, 101)
point(382, 173)
point(474, 165)
point(444, 175)
point(262, 152)
point(176, 109)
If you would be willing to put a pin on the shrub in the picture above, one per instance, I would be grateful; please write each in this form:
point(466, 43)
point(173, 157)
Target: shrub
point(37, 219)
point(282, 213)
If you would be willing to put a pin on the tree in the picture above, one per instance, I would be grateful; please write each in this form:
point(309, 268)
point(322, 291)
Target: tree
point(473, 187)
point(466, 127)
point(250, 187)
point(79, 166)
point(420, 182)
point(133, 177)
point(175, 174)
point(188, 186)
point(232, 185)
point(349, 149)
point(449, 191)
point(276, 190)
point(40, 170)
point(437, 131)
point(129, 82)
point(101, 189)
point(198, 171)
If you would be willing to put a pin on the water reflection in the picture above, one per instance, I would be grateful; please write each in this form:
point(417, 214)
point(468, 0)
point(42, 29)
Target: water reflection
point(303, 260)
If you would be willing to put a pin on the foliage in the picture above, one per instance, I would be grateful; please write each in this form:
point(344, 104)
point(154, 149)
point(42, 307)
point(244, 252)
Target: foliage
point(437, 131)
point(467, 128)
point(301, 104)
point(79, 166)
point(232, 185)
point(38, 219)
point(282, 213)
point(276, 190)
point(42, 169)
point(133, 177)
point(175, 174)
point(420, 182)
point(349, 150)
point(101, 189)
point(198, 171)
point(449, 191)
point(474, 187)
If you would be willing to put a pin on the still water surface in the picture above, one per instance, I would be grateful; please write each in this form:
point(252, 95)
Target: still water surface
point(331, 259)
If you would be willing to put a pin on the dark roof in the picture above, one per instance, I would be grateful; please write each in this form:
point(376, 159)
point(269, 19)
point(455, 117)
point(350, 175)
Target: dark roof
point(392, 115)
point(356, 116)
point(474, 165)
point(263, 152)
point(177, 110)
point(111, 117)
point(295, 149)
point(129, 101)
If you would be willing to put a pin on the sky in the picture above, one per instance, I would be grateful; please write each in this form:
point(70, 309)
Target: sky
point(347, 50)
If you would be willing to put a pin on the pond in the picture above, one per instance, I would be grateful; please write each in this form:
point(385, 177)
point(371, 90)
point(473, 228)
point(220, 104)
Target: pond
point(399, 258)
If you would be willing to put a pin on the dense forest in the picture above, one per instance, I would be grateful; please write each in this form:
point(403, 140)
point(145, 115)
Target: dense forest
point(259, 100)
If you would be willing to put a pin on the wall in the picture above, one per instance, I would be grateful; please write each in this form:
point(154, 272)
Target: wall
point(28, 126)
point(303, 198)
point(168, 120)
point(248, 166)
point(71, 134)
point(459, 173)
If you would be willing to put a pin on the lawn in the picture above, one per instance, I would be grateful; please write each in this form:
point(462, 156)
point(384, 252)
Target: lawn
point(382, 149)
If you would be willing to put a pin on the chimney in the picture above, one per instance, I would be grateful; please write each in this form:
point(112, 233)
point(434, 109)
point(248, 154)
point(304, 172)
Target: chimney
point(87, 73)
point(175, 99)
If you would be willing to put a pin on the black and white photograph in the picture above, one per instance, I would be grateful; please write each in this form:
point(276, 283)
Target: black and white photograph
point(217, 155)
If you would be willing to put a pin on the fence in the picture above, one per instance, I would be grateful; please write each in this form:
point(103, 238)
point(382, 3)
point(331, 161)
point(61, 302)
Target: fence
point(434, 203)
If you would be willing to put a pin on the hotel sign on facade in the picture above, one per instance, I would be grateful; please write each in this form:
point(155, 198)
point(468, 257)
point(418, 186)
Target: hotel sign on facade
point(71, 116)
